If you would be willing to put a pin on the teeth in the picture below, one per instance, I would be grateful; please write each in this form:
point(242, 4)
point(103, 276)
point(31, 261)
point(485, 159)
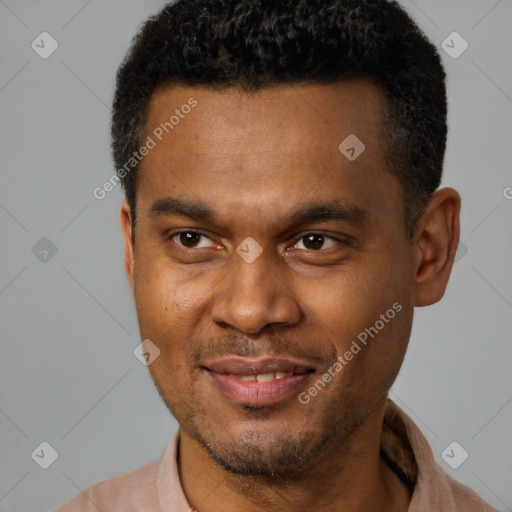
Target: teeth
point(265, 377)
point(262, 377)
point(247, 377)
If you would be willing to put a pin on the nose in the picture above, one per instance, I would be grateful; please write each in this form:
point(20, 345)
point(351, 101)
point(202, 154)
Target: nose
point(255, 295)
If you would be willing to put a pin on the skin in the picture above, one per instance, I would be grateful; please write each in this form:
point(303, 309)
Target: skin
point(253, 158)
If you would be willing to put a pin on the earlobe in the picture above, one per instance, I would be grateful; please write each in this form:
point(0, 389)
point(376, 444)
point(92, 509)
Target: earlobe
point(436, 241)
point(129, 256)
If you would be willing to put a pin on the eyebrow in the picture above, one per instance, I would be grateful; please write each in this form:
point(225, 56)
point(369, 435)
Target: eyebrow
point(305, 214)
point(172, 206)
point(333, 210)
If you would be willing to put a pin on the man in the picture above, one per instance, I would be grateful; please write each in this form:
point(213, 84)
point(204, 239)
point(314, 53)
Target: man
point(281, 163)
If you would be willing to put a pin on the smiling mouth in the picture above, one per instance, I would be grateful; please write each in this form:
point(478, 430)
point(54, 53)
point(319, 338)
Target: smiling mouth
point(258, 382)
point(262, 377)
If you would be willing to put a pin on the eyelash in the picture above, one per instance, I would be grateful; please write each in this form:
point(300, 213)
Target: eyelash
point(342, 241)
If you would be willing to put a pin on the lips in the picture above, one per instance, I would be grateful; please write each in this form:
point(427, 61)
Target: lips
point(258, 381)
point(257, 366)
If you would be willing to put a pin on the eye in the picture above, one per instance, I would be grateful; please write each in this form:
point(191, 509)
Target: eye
point(318, 241)
point(190, 239)
point(310, 242)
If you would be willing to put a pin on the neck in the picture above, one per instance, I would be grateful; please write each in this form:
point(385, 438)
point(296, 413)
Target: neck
point(328, 483)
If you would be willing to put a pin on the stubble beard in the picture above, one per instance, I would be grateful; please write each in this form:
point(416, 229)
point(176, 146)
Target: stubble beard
point(256, 453)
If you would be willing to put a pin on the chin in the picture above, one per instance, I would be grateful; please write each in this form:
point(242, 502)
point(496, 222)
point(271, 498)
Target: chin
point(254, 453)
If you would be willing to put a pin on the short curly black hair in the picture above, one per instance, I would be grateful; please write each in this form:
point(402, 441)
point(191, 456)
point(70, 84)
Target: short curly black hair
point(256, 44)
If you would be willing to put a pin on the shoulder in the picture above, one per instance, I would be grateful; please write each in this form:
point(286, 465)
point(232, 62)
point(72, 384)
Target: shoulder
point(131, 492)
point(434, 489)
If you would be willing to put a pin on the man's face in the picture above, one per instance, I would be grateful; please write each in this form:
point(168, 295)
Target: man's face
point(220, 316)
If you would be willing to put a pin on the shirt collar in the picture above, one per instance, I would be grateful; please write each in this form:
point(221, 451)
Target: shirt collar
point(403, 446)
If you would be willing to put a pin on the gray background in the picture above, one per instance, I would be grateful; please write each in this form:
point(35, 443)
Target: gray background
point(68, 375)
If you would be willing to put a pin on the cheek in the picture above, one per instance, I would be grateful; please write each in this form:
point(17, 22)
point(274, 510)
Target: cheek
point(352, 300)
point(160, 294)
point(157, 315)
point(171, 309)
point(153, 299)
point(165, 310)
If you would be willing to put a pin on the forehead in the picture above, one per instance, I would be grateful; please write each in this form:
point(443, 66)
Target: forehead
point(273, 146)
point(304, 118)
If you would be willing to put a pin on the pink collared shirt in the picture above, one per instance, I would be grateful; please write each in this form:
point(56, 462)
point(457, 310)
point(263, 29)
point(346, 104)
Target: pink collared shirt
point(156, 487)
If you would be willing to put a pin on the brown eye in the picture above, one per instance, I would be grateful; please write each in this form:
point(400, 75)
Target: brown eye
point(317, 242)
point(190, 239)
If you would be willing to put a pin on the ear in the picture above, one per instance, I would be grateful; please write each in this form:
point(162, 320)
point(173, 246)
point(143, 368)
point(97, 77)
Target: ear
point(129, 256)
point(435, 244)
